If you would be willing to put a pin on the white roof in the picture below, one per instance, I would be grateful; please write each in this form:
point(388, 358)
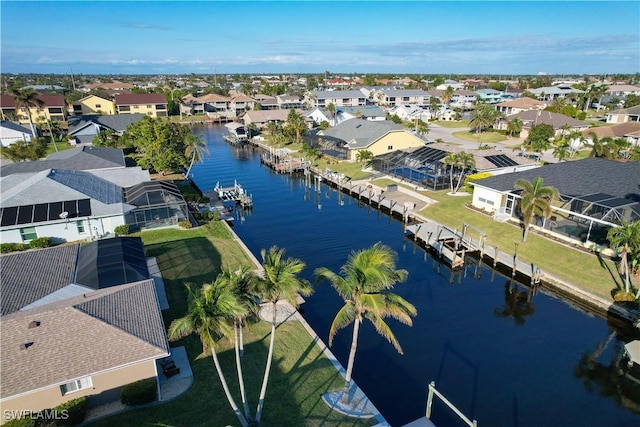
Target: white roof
point(633, 350)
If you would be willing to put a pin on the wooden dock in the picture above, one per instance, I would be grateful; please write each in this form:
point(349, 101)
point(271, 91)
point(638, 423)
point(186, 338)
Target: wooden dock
point(447, 243)
point(236, 194)
point(284, 163)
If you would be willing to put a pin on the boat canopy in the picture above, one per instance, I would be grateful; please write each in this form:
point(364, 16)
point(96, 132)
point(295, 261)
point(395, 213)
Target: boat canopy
point(633, 350)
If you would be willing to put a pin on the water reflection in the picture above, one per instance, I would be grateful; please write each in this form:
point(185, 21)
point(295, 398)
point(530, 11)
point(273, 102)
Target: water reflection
point(517, 303)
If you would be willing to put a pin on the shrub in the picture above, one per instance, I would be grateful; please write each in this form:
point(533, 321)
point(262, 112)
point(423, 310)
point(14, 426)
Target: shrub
point(475, 177)
point(622, 296)
point(12, 247)
point(41, 242)
point(20, 422)
point(139, 392)
point(75, 409)
point(185, 224)
point(122, 230)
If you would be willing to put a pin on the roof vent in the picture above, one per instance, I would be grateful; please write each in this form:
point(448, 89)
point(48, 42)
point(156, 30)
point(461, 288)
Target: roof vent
point(34, 324)
point(26, 345)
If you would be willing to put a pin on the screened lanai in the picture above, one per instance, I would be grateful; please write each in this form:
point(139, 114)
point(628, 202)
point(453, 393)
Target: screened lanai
point(421, 166)
point(327, 145)
point(158, 204)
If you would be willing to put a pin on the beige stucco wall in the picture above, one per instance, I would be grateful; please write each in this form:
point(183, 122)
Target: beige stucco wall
point(96, 105)
point(52, 396)
point(397, 140)
point(486, 199)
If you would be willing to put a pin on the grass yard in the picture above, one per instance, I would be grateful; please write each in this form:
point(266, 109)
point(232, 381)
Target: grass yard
point(484, 137)
point(596, 275)
point(300, 373)
point(453, 124)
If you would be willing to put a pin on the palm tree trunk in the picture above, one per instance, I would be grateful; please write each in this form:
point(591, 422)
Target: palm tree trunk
point(242, 338)
point(216, 362)
point(267, 370)
point(243, 393)
point(193, 158)
point(451, 177)
point(352, 358)
point(459, 180)
point(526, 231)
point(627, 283)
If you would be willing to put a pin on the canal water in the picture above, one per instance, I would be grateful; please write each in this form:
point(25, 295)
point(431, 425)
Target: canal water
point(502, 361)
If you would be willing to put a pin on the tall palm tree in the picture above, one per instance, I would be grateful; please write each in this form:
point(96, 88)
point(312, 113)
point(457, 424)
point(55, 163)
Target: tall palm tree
point(626, 240)
point(331, 108)
point(195, 148)
point(482, 117)
point(27, 99)
point(447, 94)
point(210, 314)
point(514, 127)
point(465, 161)
point(561, 150)
point(601, 147)
point(535, 200)
point(452, 161)
point(296, 123)
point(364, 285)
point(280, 282)
point(243, 282)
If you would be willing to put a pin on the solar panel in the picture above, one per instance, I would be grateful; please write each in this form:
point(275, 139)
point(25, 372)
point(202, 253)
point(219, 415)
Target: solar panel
point(502, 161)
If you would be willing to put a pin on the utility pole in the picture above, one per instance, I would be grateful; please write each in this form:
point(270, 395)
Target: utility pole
point(73, 83)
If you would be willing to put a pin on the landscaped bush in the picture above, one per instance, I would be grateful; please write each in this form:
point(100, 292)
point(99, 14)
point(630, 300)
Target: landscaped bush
point(76, 411)
point(41, 242)
point(139, 393)
point(185, 224)
point(122, 230)
point(12, 247)
point(475, 177)
point(20, 422)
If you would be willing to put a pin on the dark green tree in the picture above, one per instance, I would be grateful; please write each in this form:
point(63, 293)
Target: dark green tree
point(540, 137)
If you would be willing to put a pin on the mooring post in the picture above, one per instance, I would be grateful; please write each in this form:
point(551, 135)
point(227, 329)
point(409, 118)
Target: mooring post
point(515, 261)
point(495, 257)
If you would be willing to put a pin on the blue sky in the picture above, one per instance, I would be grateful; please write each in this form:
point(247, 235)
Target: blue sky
point(422, 37)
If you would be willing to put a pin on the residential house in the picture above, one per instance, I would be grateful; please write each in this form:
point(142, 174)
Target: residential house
point(378, 137)
point(150, 104)
point(259, 118)
point(266, 102)
point(530, 118)
point(11, 132)
point(551, 93)
point(631, 114)
point(594, 194)
point(83, 129)
point(82, 194)
point(490, 96)
point(117, 86)
point(240, 103)
point(286, 102)
point(450, 83)
point(77, 321)
point(339, 98)
point(367, 112)
point(464, 99)
point(629, 131)
point(94, 104)
point(519, 105)
point(53, 109)
point(622, 91)
point(410, 112)
point(395, 97)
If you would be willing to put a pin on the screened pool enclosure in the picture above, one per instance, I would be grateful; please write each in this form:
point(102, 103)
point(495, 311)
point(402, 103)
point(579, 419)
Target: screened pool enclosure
point(158, 204)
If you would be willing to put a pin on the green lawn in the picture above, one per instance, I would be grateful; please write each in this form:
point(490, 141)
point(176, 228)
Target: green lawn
point(300, 373)
point(61, 146)
point(453, 124)
point(485, 137)
point(596, 275)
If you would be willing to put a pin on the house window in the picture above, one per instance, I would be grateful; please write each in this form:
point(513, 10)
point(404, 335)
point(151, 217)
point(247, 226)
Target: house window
point(80, 226)
point(148, 105)
point(98, 106)
point(76, 385)
point(389, 147)
point(124, 108)
point(28, 233)
point(135, 107)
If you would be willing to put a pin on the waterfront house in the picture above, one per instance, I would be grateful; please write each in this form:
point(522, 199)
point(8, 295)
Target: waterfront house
point(266, 102)
point(490, 96)
point(286, 102)
point(53, 109)
point(594, 194)
point(367, 112)
point(519, 105)
point(94, 104)
point(259, 118)
point(464, 99)
point(77, 321)
point(11, 132)
point(82, 194)
point(397, 97)
point(378, 137)
point(150, 104)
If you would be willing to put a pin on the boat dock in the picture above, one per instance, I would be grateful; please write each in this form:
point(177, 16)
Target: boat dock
point(284, 163)
point(236, 194)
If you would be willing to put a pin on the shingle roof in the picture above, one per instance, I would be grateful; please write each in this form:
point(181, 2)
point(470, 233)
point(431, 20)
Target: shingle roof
point(79, 158)
point(14, 126)
point(631, 110)
point(615, 131)
point(81, 336)
point(140, 98)
point(116, 122)
point(335, 94)
point(31, 275)
point(579, 178)
point(531, 117)
point(524, 102)
point(361, 133)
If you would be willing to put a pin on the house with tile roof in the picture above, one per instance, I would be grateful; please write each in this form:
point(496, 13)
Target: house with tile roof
point(65, 335)
point(83, 194)
point(627, 130)
point(11, 132)
point(396, 97)
point(93, 104)
point(519, 105)
point(339, 98)
point(594, 195)
point(378, 137)
point(149, 104)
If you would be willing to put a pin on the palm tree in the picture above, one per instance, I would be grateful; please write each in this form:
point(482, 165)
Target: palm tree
point(535, 200)
point(210, 313)
point(296, 123)
point(601, 147)
point(27, 99)
point(515, 126)
point(482, 117)
point(364, 156)
point(195, 148)
point(331, 108)
point(422, 127)
point(243, 282)
point(447, 94)
point(625, 239)
point(280, 282)
point(452, 161)
point(561, 150)
point(364, 285)
point(465, 161)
